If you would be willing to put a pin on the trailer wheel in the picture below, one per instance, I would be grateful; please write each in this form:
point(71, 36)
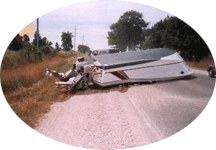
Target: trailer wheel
point(82, 84)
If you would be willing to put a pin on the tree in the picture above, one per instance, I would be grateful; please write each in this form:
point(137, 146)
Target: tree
point(42, 41)
point(153, 36)
point(67, 41)
point(83, 48)
point(16, 44)
point(57, 46)
point(176, 34)
point(128, 31)
point(26, 38)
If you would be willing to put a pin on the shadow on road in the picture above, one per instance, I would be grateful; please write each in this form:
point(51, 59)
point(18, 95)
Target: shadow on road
point(192, 77)
point(94, 89)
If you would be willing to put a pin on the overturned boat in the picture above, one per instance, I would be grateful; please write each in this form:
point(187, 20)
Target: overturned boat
point(126, 67)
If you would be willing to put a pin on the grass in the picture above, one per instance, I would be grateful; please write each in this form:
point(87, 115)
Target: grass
point(29, 92)
point(26, 76)
point(201, 64)
point(30, 104)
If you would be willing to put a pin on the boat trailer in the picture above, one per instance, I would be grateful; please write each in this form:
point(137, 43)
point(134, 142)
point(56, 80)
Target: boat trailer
point(78, 77)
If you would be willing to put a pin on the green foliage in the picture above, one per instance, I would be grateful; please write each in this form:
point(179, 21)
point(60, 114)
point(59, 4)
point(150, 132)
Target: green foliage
point(11, 59)
point(66, 41)
point(46, 49)
point(57, 48)
point(27, 55)
point(41, 41)
point(176, 34)
point(17, 43)
point(83, 48)
point(28, 52)
point(128, 31)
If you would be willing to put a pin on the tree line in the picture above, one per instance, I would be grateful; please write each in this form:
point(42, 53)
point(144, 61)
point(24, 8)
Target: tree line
point(44, 45)
point(29, 50)
point(19, 42)
point(131, 32)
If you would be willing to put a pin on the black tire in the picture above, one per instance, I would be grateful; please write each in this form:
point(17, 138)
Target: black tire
point(211, 73)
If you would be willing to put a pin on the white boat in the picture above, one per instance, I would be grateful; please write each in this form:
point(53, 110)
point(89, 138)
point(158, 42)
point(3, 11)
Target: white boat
point(139, 66)
point(127, 67)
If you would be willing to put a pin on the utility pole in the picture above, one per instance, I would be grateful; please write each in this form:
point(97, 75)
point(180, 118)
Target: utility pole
point(75, 38)
point(37, 33)
point(83, 39)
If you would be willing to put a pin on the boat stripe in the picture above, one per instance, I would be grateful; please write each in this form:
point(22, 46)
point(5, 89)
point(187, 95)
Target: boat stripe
point(120, 74)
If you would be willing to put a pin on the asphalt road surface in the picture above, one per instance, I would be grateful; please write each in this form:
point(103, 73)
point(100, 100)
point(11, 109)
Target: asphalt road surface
point(127, 116)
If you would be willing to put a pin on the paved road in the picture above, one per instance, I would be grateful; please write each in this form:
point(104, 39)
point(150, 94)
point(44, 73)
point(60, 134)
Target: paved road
point(127, 116)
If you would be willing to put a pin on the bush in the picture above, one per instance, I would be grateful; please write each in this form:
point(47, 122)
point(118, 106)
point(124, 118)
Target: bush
point(46, 50)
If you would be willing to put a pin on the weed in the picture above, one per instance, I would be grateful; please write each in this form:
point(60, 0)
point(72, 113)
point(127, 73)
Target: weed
point(27, 90)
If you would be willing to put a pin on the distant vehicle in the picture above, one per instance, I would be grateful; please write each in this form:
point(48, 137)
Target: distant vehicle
point(127, 67)
point(211, 71)
point(104, 51)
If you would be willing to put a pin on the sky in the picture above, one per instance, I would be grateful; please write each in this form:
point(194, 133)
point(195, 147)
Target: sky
point(92, 21)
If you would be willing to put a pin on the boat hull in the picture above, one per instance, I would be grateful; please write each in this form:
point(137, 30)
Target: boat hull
point(167, 68)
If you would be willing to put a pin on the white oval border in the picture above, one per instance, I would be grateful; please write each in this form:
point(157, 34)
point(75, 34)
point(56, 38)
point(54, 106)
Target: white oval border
point(199, 14)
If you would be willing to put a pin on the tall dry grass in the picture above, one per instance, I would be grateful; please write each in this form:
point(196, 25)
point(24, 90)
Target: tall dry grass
point(29, 92)
point(30, 104)
point(201, 64)
point(26, 76)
